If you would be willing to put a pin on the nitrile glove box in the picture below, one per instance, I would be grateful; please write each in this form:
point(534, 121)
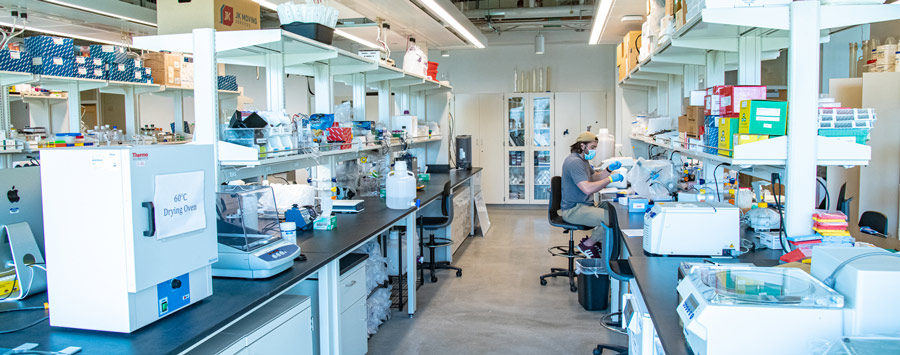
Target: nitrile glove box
point(763, 117)
point(637, 204)
point(17, 61)
point(109, 54)
point(89, 71)
point(50, 47)
point(53, 66)
point(121, 72)
point(141, 75)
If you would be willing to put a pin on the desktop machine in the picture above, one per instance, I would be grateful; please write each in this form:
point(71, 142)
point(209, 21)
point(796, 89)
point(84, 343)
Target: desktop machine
point(129, 232)
point(250, 242)
point(692, 228)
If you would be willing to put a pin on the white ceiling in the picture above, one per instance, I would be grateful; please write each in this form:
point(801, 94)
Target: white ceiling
point(615, 28)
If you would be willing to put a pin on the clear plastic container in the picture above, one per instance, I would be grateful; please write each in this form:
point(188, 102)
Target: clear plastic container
point(400, 189)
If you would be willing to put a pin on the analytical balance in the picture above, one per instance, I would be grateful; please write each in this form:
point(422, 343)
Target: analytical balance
point(757, 310)
point(692, 228)
point(250, 242)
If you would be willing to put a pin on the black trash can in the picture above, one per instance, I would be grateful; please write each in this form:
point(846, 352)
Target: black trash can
point(593, 284)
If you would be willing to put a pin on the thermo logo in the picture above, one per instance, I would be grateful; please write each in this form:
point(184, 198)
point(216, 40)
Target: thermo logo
point(140, 155)
point(227, 15)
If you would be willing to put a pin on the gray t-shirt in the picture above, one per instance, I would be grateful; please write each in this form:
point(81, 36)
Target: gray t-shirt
point(574, 170)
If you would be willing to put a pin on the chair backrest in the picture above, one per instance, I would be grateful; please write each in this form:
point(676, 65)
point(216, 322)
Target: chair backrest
point(555, 197)
point(611, 242)
point(842, 204)
point(875, 220)
point(447, 201)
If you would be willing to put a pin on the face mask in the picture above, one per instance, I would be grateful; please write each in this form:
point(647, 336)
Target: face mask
point(590, 154)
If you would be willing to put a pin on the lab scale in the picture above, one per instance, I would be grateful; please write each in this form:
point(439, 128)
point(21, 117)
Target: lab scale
point(129, 232)
point(756, 310)
point(692, 228)
point(249, 234)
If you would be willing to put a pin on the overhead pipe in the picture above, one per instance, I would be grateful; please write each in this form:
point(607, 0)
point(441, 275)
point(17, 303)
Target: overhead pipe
point(534, 12)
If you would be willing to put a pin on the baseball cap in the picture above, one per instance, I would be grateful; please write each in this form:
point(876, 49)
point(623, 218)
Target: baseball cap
point(586, 137)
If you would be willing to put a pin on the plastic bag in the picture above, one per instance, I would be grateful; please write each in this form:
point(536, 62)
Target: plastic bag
point(343, 112)
point(288, 195)
point(347, 178)
point(653, 179)
point(415, 61)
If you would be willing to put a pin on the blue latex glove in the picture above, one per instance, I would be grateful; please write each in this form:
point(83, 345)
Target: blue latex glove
point(614, 166)
point(616, 178)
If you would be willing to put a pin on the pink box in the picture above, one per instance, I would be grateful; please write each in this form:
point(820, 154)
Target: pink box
point(731, 96)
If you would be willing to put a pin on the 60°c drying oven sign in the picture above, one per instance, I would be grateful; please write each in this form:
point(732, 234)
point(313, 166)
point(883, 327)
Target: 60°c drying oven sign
point(179, 203)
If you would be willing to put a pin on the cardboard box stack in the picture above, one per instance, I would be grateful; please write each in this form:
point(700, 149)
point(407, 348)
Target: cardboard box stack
point(177, 16)
point(725, 101)
point(631, 50)
point(51, 55)
point(165, 68)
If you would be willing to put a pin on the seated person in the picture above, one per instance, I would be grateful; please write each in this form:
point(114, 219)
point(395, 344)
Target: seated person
point(579, 183)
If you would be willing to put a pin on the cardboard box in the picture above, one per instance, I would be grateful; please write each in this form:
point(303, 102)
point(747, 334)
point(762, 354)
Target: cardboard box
point(728, 129)
point(622, 72)
point(694, 120)
point(696, 98)
point(711, 134)
point(109, 54)
point(680, 16)
point(711, 105)
point(121, 72)
point(50, 47)
point(166, 68)
point(620, 53)
point(632, 49)
point(776, 94)
point(750, 138)
point(187, 72)
point(16, 61)
point(177, 16)
point(55, 66)
point(731, 96)
point(670, 7)
point(763, 117)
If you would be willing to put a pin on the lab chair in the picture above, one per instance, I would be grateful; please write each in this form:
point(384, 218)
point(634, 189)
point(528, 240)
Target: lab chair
point(617, 268)
point(875, 220)
point(842, 204)
point(434, 223)
point(557, 221)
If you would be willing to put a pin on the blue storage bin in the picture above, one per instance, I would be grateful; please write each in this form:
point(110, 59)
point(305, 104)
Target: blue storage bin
point(16, 61)
point(50, 47)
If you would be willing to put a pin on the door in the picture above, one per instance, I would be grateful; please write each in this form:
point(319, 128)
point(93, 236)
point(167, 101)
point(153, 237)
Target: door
point(542, 147)
point(491, 126)
point(516, 148)
point(567, 126)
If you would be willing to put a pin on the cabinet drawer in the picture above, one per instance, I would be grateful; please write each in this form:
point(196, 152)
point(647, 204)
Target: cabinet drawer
point(354, 334)
point(353, 286)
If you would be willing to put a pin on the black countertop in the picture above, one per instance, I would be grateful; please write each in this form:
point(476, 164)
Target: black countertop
point(231, 297)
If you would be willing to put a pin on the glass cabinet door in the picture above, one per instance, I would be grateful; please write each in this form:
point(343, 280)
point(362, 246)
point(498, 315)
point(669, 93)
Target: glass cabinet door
point(516, 176)
point(542, 175)
point(542, 133)
point(516, 121)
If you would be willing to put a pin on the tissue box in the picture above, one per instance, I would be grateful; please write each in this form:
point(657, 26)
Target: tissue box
point(50, 47)
point(109, 54)
point(325, 223)
point(17, 61)
point(54, 66)
point(227, 82)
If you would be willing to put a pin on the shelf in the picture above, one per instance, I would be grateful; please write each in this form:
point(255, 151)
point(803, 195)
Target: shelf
point(8, 78)
point(773, 152)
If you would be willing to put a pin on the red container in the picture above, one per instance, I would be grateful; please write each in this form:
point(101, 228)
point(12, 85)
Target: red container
point(432, 66)
point(731, 96)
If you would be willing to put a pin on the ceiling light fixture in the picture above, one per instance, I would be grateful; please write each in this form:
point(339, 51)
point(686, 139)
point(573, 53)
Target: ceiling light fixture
point(356, 39)
point(632, 18)
point(69, 35)
point(600, 17)
point(539, 44)
point(444, 15)
point(100, 12)
point(267, 4)
point(445, 53)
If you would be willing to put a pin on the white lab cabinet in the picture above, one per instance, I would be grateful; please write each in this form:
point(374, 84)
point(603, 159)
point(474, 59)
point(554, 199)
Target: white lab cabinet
point(528, 144)
point(140, 220)
point(642, 336)
point(480, 115)
point(281, 326)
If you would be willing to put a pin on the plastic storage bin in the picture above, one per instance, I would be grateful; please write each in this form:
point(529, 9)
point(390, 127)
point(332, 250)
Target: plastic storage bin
point(314, 31)
point(593, 284)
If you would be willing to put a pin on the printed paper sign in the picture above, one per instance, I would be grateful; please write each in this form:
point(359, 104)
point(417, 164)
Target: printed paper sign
point(178, 200)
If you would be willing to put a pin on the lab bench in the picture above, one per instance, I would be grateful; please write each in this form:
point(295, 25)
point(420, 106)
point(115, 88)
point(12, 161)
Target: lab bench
point(232, 299)
point(656, 278)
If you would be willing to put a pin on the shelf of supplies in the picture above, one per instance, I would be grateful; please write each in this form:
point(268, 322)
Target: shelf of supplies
point(720, 29)
point(19, 97)
point(8, 78)
point(773, 152)
point(189, 92)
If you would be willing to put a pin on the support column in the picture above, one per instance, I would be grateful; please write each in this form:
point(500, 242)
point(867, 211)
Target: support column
point(131, 110)
point(324, 89)
point(402, 99)
point(749, 59)
point(691, 79)
point(715, 68)
point(803, 79)
point(75, 108)
point(675, 98)
point(411, 263)
point(329, 312)
point(359, 97)
point(384, 103)
point(662, 98)
point(178, 111)
point(275, 82)
point(206, 93)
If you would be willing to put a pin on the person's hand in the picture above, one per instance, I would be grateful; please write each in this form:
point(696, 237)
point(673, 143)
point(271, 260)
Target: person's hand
point(616, 178)
point(614, 166)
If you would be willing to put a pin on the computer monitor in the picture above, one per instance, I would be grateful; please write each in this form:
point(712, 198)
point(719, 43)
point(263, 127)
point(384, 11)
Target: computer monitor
point(20, 200)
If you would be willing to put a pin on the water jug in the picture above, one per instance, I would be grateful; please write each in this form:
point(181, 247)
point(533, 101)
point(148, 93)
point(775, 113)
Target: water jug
point(400, 187)
point(606, 146)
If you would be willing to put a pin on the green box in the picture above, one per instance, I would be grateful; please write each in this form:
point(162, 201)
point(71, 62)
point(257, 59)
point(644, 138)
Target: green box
point(728, 128)
point(325, 223)
point(763, 117)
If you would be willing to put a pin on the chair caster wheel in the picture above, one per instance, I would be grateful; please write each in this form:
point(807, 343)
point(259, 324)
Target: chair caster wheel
point(459, 273)
point(597, 351)
point(543, 282)
point(433, 279)
point(411, 316)
point(573, 288)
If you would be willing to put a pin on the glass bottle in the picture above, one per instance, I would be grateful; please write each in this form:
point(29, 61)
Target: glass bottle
point(854, 60)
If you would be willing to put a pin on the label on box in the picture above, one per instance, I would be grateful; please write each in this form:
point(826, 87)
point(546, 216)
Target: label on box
point(80, 60)
point(766, 125)
point(771, 112)
point(726, 101)
point(121, 67)
point(82, 71)
point(98, 73)
point(98, 62)
point(107, 49)
point(137, 75)
point(179, 201)
point(57, 61)
point(15, 55)
point(57, 40)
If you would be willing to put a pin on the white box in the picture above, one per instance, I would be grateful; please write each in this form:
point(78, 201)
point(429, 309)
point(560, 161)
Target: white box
point(408, 123)
point(120, 253)
point(867, 285)
point(697, 98)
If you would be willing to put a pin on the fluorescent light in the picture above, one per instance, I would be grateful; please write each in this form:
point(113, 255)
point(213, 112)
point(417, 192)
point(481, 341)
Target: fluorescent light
point(539, 44)
point(444, 15)
point(266, 4)
point(356, 39)
point(632, 18)
point(603, 8)
point(100, 12)
point(445, 53)
point(69, 35)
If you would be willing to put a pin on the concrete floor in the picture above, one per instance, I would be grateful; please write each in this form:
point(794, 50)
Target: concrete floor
point(498, 306)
